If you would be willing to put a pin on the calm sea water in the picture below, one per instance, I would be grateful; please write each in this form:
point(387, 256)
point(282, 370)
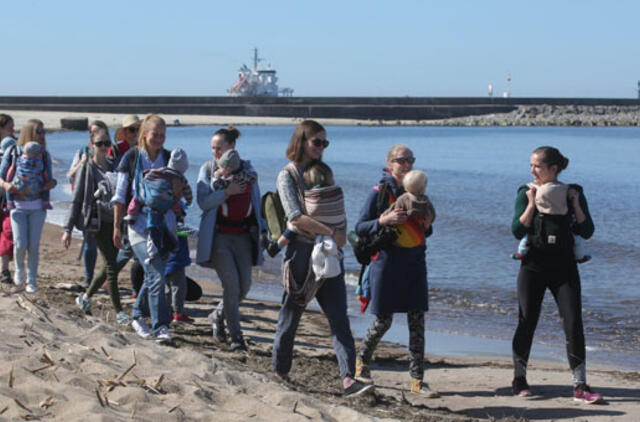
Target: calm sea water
point(473, 177)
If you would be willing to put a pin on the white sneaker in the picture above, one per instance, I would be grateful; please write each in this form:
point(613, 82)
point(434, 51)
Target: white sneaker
point(18, 279)
point(163, 336)
point(31, 288)
point(141, 328)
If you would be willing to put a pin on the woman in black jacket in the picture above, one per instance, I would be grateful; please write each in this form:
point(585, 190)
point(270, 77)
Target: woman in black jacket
point(90, 214)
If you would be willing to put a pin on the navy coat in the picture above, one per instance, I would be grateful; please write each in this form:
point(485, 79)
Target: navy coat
point(398, 276)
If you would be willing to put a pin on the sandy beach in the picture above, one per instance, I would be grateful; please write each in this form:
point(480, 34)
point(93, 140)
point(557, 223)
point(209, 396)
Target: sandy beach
point(63, 365)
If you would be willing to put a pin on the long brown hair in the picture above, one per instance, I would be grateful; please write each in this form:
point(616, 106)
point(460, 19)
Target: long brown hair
point(305, 130)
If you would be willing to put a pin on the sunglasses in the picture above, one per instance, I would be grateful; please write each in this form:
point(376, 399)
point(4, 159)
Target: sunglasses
point(40, 131)
point(404, 160)
point(102, 144)
point(320, 142)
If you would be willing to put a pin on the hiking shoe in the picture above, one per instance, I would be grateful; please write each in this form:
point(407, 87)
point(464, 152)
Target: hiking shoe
point(182, 318)
point(84, 304)
point(584, 259)
point(363, 372)
point(238, 344)
point(141, 328)
point(357, 388)
point(123, 318)
point(31, 287)
point(163, 336)
point(422, 388)
point(5, 277)
point(520, 387)
point(583, 393)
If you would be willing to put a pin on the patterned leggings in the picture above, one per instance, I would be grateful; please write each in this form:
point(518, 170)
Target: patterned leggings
point(416, 340)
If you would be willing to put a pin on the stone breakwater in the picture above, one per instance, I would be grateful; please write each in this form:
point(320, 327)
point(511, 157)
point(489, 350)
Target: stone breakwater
point(551, 115)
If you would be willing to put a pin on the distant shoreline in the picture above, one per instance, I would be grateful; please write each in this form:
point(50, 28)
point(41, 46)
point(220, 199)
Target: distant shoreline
point(523, 115)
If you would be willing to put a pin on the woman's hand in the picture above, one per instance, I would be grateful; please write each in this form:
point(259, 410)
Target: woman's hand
point(117, 238)
point(395, 217)
point(527, 216)
point(531, 194)
point(50, 185)
point(66, 239)
point(9, 187)
point(235, 188)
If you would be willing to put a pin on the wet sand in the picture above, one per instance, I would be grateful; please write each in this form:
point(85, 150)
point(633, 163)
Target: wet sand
point(60, 364)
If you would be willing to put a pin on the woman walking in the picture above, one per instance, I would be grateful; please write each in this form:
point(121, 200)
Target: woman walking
point(227, 244)
point(398, 275)
point(550, 265)
point(151, 300)
point(308, 143)
point(90, 215)
point(27, 218)
point(6, 235)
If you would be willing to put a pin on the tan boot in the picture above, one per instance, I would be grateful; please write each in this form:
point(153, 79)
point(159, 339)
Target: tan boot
point(422, 388)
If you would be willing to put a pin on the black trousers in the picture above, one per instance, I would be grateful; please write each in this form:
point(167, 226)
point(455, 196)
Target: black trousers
point(564, 284)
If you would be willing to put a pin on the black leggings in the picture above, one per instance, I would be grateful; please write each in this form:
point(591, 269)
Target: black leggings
point(565, 287)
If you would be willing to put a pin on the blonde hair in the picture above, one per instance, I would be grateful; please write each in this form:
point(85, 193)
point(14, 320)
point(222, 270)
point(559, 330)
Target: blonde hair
point(317, 173)
point(144, 127)
point(393, 152)
point(415, 182)
point(29, 132)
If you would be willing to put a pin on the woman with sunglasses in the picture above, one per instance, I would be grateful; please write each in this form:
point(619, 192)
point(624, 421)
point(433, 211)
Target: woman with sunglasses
point(398, 274)
point(85, 214)
point(229, 246)
point(308, 142)
point(27, 218)
point(89, 248)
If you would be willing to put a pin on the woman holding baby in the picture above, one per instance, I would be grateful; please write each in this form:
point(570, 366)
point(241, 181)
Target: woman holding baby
point(398, 273)
point(229, 196)
point(550, 263)
point(307, 144)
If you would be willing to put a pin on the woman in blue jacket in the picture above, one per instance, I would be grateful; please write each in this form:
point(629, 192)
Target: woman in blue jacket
point(398, 275)
point(230, 252)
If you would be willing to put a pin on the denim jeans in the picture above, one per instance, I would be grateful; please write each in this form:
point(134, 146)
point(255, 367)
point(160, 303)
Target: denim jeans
point(90, 255)
point(332, 298)
point(27, 228)
point(151, 300)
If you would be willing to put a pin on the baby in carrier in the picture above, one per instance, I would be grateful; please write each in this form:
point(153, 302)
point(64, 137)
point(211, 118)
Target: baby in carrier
point(551, 199)
point(159, 191)
point(29, 174)
point(414, 201)
point(324, 201)
point(233, 213)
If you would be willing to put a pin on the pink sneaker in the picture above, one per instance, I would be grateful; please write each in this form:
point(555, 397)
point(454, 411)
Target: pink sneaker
point(583, 393)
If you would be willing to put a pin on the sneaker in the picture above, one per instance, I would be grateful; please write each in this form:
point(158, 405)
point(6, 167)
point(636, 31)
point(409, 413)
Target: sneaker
point(18, 279)
point(583, 393)
point(31, 288)
point(422, 388)
point(85, 283)
point(357, 388)
point(520, 387)
point(5, 277)
point(238, 345)
point(363, 372)
point(217, 323)
point(84, 304)
point(141, 328)
point(182, 318)
point(163, 336)
point(123, 318)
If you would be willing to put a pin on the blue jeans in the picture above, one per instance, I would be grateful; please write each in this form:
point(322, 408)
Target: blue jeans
point(151, 300)
point(27, 228)
point(332, 298)
point(90, 256)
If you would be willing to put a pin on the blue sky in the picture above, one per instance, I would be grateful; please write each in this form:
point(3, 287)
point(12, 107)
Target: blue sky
point(329, 48)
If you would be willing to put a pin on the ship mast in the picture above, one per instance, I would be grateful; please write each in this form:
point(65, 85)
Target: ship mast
point(255, 58)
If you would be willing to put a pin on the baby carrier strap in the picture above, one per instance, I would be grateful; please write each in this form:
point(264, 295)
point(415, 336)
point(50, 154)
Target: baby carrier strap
point(299, 184)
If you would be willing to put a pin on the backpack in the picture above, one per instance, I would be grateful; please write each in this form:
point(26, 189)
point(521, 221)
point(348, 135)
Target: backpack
point(272, 210)
point(553, 233)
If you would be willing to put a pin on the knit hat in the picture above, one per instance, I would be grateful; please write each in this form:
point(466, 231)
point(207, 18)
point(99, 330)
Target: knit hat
point(32, 149)
point(229, 160)
point(7, 143)
point(179, 161)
